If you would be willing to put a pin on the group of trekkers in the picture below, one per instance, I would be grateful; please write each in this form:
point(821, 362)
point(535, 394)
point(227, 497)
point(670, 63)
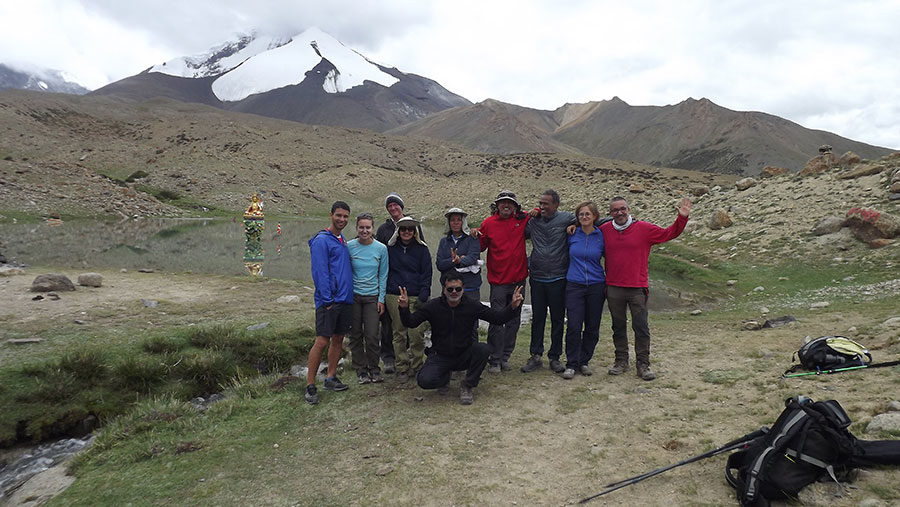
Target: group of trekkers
point(376, 287)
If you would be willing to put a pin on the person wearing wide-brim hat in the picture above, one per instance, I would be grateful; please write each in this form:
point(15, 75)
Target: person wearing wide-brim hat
point(409, 266)
point(503, 236)
point(395, 207)
point(460, 252)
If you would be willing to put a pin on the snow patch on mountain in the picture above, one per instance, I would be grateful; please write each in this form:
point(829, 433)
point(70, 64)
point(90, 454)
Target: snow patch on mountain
point(288, 64)
point(257, 64)
point(220, 59)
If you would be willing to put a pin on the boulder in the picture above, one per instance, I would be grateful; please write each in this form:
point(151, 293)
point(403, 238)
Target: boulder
point(51, 283)
point(880, 243)
point(636, 188)
point(699, 190)
point(779, 321)
point(849, 159)
point(90, 279)
point(828, 225)
point(819, 164)
point(720, 219)
point(862, 170)
point(744, 184)
point(893, 322)
point(292, 298)
point(895, 187)
point(869, 224)
point(771, 171)
point(889, 422)
point(7, 270)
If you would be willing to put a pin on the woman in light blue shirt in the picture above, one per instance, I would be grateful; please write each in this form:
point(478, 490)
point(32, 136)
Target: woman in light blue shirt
point(369, 259)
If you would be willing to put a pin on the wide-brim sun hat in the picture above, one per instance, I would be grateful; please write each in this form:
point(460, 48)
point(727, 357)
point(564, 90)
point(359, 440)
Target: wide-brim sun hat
point(506, 195)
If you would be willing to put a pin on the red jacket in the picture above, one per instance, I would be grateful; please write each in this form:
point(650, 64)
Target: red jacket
point(504, 240)
point(628, 252)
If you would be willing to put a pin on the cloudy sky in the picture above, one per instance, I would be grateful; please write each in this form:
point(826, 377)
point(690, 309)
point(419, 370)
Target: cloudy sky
point(830, 64)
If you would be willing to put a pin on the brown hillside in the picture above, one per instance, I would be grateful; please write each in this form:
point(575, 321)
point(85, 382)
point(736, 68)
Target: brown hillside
point(492, 126)
point(70, 154)
point(694, 134)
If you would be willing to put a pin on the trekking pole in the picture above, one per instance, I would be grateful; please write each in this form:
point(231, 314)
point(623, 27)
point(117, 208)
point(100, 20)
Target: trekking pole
point(838, 370)
point(730, 446)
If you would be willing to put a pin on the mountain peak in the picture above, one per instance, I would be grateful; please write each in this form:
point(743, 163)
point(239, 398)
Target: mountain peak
point(38, 79)
point(258, 63)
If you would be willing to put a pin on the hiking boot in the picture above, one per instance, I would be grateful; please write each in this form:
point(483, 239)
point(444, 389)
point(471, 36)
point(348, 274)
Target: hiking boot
point(556, 366)
point(376, 377)
point(312, 394)
point(363, 377)
point(643, 371)
point(534, 362)
point(444, 390)
point(569, 374)
point(586, 370)
point(505, 365)
point(618, 368)
point(402, 377)
point(335, 384)
point(389, 367)
point(465, 395)
point(494, 368)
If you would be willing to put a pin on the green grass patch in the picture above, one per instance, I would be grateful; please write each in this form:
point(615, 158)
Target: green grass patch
point(724, 377)
point(48, 397)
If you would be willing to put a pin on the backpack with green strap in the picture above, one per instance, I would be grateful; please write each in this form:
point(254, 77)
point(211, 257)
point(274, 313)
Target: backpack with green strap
point(829, 352)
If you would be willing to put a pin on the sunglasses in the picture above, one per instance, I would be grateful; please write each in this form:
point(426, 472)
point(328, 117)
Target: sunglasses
point(453, 289)
point(407, 229)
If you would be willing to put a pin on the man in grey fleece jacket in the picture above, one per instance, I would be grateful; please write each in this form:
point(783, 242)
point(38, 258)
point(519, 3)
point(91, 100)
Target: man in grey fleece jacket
point(548, 264)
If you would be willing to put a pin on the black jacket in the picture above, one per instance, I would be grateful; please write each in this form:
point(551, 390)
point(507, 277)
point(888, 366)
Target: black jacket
point(451, 328)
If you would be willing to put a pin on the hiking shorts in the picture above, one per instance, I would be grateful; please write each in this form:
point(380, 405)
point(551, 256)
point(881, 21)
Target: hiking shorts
point(335, 320)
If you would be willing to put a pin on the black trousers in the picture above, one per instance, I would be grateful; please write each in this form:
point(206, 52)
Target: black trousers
point(436, 371)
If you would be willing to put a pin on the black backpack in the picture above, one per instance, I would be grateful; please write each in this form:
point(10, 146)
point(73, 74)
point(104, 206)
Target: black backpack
point(829, 352)
point(809, 441)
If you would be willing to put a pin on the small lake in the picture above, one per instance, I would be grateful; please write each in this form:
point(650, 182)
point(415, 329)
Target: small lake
point(204, 246)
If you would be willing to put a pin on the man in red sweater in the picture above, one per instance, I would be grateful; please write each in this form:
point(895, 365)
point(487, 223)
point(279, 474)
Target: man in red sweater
point(628, 243)
point(503, 236)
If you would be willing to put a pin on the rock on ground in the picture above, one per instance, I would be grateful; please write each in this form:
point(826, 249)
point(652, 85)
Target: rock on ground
point(828, 225)
point(90, 279)
point(51, 283)
point(744, 184)
point(719, 219)
point(869, 224)
point(884, 422)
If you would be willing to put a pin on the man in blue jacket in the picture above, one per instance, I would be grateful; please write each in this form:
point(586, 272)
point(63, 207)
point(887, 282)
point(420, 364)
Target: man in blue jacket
point(333, 277)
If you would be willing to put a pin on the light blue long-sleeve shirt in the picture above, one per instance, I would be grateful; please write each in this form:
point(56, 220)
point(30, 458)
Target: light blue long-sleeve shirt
point(370, 268)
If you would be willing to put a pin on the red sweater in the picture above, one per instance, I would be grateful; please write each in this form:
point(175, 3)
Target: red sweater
point(504, 240)
point(628, 252)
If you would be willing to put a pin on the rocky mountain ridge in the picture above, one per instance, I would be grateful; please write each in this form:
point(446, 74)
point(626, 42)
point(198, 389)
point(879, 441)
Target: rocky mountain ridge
point(694, 134)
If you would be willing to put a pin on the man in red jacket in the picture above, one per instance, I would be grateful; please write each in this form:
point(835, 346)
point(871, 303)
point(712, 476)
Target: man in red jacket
point(628, 243)
point(503, 236)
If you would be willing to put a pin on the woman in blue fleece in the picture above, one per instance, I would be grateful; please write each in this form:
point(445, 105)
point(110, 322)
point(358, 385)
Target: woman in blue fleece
point(585, 291)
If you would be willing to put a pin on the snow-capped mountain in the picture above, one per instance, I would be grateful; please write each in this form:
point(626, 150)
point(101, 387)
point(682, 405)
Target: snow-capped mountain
point(42, 80)
point(310, 77)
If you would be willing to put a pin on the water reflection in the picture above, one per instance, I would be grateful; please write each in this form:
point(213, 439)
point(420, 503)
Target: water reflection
point(208, 246)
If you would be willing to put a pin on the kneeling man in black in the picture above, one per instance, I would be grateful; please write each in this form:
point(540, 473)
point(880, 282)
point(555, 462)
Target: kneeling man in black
point(453, 346)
